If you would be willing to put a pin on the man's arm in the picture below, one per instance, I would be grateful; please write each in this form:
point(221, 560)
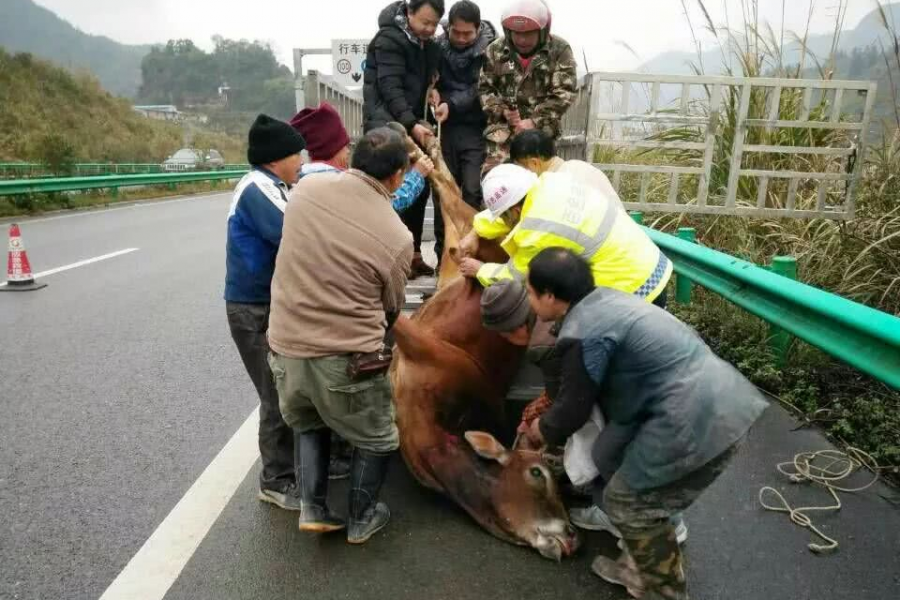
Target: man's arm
point(492, 101)
point(393, 294)
point(488, 229)
point(391, 73)
point(578, 393)
point(563, 88)
point(409, 190)
point(266, 212)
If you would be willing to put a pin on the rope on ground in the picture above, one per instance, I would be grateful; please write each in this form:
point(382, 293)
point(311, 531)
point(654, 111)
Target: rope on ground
point(826, 468)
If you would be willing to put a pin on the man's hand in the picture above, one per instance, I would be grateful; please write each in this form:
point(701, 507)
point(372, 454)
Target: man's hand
point(468, 246)
point(469, 267)
point(424, 166)
point(420, 133)
point(434, 98)
point(524, 125)
point(512, 117)
point(535, 439)
point(442, 112)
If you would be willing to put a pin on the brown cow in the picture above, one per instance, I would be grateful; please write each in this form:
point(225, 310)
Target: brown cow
point(450, 377)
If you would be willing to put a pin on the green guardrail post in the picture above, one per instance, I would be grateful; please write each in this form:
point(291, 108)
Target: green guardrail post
point(683, 285)
point(638, 217)
point(114, 192)
point(779, 339)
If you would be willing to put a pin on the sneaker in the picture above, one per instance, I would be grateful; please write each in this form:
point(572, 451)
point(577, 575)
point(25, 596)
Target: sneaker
point(286, 499)
point(620, 572)
point(594, 519)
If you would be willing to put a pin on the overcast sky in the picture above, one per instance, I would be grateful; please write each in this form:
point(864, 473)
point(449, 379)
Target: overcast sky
point(647, 26)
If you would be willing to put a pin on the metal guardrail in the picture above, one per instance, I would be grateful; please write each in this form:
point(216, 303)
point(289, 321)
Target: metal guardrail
point(22, 169)
point(20, 187)
point(861, 336)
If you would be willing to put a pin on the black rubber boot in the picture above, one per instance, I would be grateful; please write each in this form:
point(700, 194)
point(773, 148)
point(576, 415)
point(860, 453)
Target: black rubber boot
point(311, 456)
point(367, 514)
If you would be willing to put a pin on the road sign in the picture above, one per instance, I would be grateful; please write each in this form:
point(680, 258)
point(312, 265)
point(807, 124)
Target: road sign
point(349, 61)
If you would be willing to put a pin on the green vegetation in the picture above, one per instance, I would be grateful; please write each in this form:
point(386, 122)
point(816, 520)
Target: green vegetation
point(182, 74)
point(49, 115)
point(859, 259)
point(27, 27)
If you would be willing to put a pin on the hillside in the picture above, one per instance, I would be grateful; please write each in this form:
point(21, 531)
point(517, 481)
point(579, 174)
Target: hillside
point(45, 112)
point(867, 32)
point(27, 27)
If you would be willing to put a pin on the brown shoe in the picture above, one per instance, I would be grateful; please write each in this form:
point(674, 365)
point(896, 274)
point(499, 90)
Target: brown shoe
point(620, 572)
point(420, 268)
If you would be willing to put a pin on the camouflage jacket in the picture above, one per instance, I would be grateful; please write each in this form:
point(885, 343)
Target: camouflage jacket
point(542, 93)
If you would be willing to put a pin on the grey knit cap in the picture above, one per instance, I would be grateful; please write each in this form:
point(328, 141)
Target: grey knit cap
point(504, 306)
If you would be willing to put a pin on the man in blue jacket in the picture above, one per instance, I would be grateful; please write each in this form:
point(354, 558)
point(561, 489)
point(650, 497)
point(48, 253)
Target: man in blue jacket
point(254, 233)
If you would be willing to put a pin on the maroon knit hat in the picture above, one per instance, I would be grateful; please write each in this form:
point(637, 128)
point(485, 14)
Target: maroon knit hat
point(322, 129)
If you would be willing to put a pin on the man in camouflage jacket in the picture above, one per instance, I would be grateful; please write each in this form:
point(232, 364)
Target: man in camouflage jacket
point(524, 87)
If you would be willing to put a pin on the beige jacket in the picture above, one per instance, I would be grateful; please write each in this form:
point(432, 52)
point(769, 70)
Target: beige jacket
point(343, 263)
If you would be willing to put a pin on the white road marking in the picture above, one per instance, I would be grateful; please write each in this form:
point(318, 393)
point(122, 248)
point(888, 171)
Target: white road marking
point(81, 263)
point(159, 562)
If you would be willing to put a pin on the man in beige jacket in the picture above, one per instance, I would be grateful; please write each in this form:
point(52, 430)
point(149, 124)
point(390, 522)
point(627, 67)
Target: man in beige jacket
point(339, 281)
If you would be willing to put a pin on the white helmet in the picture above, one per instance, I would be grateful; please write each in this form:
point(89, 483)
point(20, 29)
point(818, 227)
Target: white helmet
point(526, 15)
point(505, 186)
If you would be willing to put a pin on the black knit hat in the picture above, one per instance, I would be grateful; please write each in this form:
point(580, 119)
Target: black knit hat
point(271, 140)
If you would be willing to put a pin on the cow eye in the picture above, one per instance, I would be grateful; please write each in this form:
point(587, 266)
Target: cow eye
point(536, 473)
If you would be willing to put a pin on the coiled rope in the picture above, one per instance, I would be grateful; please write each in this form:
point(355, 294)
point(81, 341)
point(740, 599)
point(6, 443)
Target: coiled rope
point(826, 468)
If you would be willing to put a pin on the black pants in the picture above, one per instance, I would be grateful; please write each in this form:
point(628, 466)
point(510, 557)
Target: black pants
point(414, 217)
point(464, 151)
point(662, 300)
point(249, 323)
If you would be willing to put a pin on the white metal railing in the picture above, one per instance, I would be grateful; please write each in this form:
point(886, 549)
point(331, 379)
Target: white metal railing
point(320, 88)
point(634, 111)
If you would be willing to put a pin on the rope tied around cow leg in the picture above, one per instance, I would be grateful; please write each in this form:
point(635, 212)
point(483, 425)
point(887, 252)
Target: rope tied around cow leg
point(826, 468)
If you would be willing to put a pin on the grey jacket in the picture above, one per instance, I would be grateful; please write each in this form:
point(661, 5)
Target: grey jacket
point(653, 375)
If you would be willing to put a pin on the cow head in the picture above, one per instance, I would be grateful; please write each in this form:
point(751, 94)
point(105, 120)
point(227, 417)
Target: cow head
point(525, 498)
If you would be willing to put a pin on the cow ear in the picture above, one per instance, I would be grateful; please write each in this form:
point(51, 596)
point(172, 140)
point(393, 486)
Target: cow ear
point(487, 446)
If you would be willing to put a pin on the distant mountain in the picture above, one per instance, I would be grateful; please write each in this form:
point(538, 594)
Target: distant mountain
point(869, 31)
point(27, 27)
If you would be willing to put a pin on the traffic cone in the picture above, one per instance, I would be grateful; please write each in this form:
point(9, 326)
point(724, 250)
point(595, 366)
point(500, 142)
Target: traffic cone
point(18, 269)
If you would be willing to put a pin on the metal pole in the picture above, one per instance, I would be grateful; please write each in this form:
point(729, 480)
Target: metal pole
point(298, 78)
point(683, 285)
point(779, 339)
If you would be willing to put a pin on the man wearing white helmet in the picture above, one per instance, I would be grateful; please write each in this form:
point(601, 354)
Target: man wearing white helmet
point(531, 213)
point(529, 78)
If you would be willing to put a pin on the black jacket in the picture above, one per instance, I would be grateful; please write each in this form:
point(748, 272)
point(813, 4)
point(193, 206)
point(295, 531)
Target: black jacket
point(459, 71)
point(399, 69)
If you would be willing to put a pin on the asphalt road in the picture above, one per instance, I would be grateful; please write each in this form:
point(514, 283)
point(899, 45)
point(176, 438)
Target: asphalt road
point(119, 385)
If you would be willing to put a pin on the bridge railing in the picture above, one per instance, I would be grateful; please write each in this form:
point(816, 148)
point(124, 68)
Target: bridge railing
point(20, 187)
point(700, 144)
point(318, 87)
point(22, 170)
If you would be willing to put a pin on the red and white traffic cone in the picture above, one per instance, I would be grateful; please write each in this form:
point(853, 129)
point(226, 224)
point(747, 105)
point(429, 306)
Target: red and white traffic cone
point(18, 269)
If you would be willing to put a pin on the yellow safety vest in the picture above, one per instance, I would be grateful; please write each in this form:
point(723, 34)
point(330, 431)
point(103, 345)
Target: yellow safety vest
point(560, 211)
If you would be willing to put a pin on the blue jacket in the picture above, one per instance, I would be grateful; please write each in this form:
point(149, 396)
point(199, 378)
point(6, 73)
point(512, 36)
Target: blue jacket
point(254, 233)
point(406, 194)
